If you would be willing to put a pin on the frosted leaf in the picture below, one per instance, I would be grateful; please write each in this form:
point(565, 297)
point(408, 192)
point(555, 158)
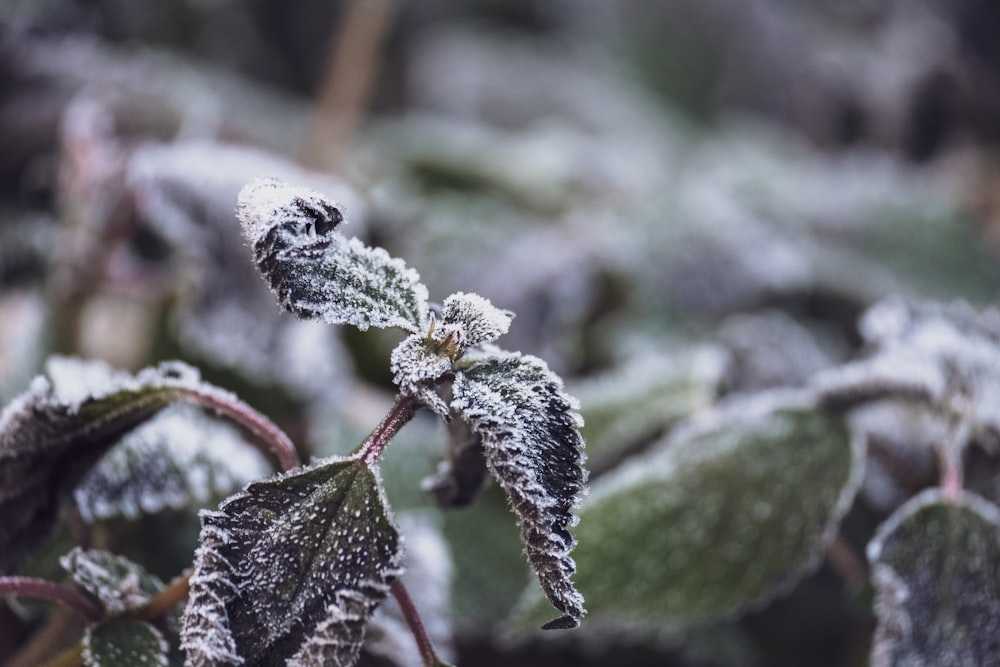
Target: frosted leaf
point(421, 360)
point(722, 515)
point(117, 583)
point(531, 438)
point(318, 274)
point(53, 433)
point(124, 643)
point(180, 458)
point(937, 586)
point(291, 569)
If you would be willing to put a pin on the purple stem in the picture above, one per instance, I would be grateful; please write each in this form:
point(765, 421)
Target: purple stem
point(424, 643)
point(402, 411)
point(266, 431)
point(48, 590)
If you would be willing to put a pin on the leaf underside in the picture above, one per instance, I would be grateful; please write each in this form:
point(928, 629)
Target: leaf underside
point(937, 583)
point(317, 273)
point(708, 525)
point(52, 434)
point(530, 434)
point(291, 569)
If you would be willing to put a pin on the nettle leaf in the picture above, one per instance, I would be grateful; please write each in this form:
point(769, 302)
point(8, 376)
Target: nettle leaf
point(937, 582)
point(317, 273)
point(422, 359)
point(124, 643)
point(116, 582)
point(180, 458)
point(458, 480)
point(531, 438)
point(723, 515)
point(53, 433)
point(292, 568)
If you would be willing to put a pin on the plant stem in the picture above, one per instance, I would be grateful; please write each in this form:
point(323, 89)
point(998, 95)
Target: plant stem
point(174, 593)
point(424, 644)
point(402, 411)
point(266, 431)
point(48, 590)
point(71, 657)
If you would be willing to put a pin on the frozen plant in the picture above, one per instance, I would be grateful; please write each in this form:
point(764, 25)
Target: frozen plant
point(291, 569)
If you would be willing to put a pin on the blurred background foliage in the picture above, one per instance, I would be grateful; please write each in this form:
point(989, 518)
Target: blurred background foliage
point(680, 200)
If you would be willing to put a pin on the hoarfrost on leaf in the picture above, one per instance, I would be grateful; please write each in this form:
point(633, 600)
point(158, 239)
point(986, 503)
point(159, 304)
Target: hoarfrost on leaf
point(723, 514)
point(124, 643)
point(118, 584)
point(180, 458)
point(318, 274)
point(291, 569)
point(52, 434)
point(937, 585)
point(530, 431)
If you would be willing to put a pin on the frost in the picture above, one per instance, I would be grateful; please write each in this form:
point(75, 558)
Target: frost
point(421, 360)
point(53, 433)
point(180, 458)
point(118, 584)
point(318, 274)
point(530, 433)
point(938, 590)
point(124, 643)
point(726, 512)
point(292, 568)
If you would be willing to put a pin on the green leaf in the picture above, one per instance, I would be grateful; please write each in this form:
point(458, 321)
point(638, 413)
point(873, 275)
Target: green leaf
point(721, 516)
point(291, 569)
point(935, 568)
point(121, 643)
point(315, 272)
point(180, 458)
point(530, 432)
point(53, 433)
point(117, 583)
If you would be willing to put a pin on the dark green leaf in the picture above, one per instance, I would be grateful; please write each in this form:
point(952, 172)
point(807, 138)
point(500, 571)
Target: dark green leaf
point(721, 516)
point(116, 582)
point(935, 566)
point(531, 438)
point(291, 569)
point(121, 643)
point(53, 433)
point(317, 273)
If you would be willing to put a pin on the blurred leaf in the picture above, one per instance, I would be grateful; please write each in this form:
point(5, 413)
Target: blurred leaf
point(938, 586)
point(291, 569)
point(118, 584)
point(318, 274)
point(180, 458)
point(530, 433)
point(52, 434)
point(724, 515)
point(121, 643)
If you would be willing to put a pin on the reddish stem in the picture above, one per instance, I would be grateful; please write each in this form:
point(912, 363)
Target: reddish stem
point(402, 411)
point(424, 643)
point(48, 590)
point(266, 431)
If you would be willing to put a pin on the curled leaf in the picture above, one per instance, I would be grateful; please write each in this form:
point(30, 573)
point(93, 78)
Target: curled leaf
point(53, 433)
point(291, 569)
point(318, 274)
point(530, 434)
point(938, 589)
point(118, 584)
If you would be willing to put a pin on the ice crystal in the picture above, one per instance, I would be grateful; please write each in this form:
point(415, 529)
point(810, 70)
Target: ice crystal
point(421, 360)
point(53, 433)
point(530, 433)
point(291, 569)
point(118, 584)
point(318, 274)
point(938, 591)
point(180, 458)
point(124, 643)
